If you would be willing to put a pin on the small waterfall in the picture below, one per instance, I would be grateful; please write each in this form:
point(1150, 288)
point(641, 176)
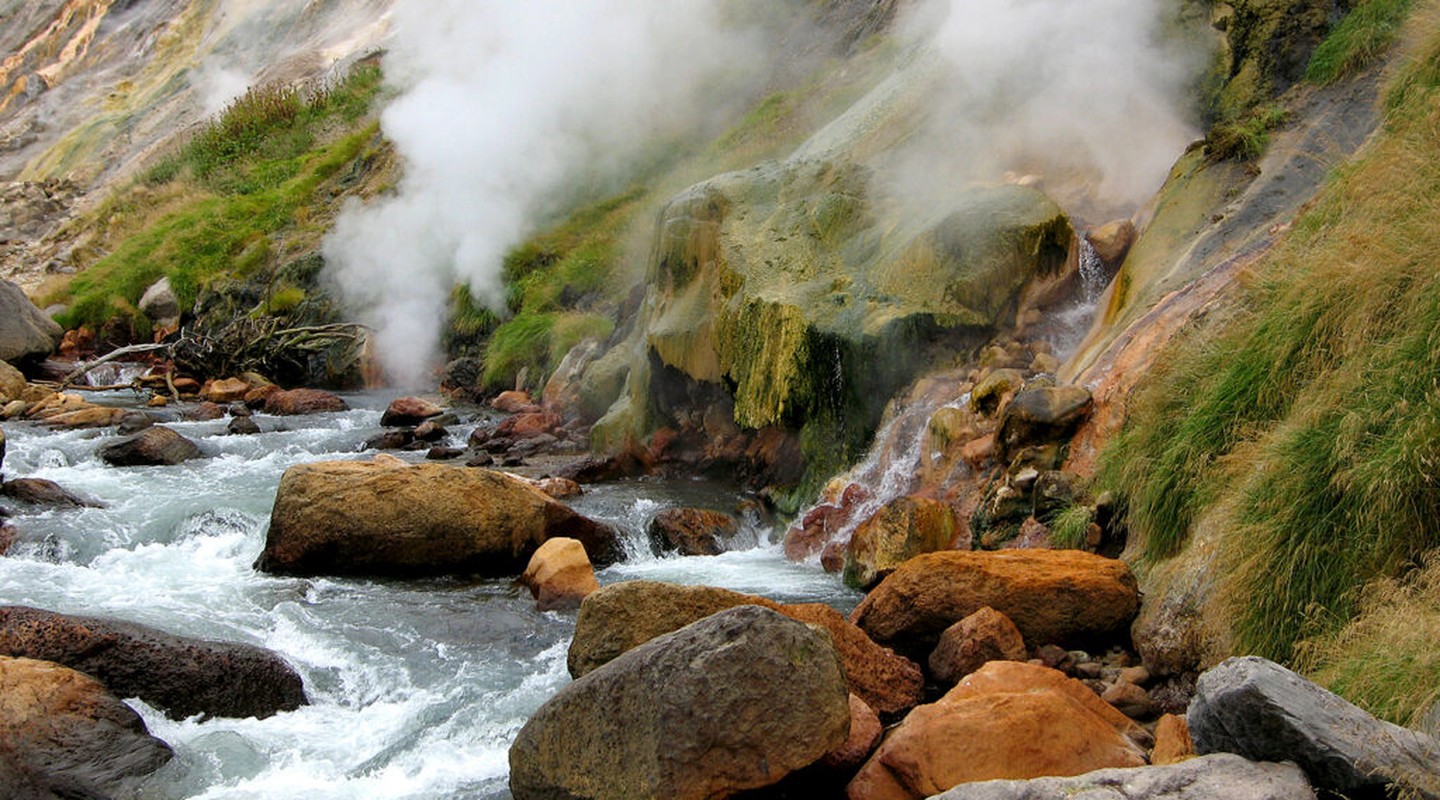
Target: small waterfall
point(1093, 275)
point(116, 373)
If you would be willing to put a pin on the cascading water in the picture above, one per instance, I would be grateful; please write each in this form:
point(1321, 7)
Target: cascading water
point(416, 688)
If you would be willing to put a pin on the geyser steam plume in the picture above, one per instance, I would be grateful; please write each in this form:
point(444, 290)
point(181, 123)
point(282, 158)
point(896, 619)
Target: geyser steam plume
point(503, 104)
point(1096, 94)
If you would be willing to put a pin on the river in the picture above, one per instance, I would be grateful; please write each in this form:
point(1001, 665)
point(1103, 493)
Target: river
point(416, 688)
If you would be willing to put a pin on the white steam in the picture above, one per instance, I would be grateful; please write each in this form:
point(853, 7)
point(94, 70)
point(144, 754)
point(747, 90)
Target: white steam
point(1092, 95)
point(504, 107)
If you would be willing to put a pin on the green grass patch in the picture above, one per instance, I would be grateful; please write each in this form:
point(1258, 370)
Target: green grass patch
point(1244, 139)
point(535, 343)
point(1069, 525)
point(1306, 417)
point(1362, 37)
point(251, 174)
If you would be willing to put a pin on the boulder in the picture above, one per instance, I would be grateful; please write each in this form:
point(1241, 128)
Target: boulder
point(528, 425)
point(203, 412)
point(1041, 416)
point(242, 426)
point(865, 733)
point(389, 518)
point(559, 488)
point(156, 446)
point(559, 574)
point(1064, 597)
point(562, 393)
point(733, 702)
point(902, 529)
point(1018, 725)
point(132, 422)
point(12, 383)
point(1172, 741)
point(179, 675)
point(1258, 709)
point(513, 402)
point(80, 417)
point(64, 736)
point(160, 304)
point(1112, 240)
point(226, 390)
point(41, 492)
point(409, 412)
point(1218, 776)
point(7, 536)
point(993, 390)
point(625, 615)
point(999, 677)
point(25, 331)
point(692, 531)
point(985, 636)
point(298, 401)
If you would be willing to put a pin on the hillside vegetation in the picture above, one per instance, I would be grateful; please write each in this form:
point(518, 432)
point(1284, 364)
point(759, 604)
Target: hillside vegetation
point(1305, 416)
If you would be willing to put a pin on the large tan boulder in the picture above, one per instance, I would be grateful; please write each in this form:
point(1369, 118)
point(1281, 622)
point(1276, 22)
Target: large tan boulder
point(387, 517)
point(1015, 727)
point(902, 529)
point(625, 615)
point(733, 702)
point(559, 574)
point(179, 675)
point(62, 735)
point(225, 390)
point(1053, 596)
point(292, 402)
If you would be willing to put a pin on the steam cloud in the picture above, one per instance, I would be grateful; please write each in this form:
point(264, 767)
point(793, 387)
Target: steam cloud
point(1093, 94)
point(505, 106)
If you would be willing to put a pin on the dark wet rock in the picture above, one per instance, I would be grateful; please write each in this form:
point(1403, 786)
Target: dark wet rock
point(387, 517)
point(1260, 710)
point(390, 440)
point(178, 675)
point(300, 401)
point(1217, 776)
point(445, 453)
point(1041, 416)
point(243, 426)
point(8, 534)
point(41, 492)
point(64, 737)
point(480, 460)
point(692, 531)
point(204, 412)
point(133, 422)
point(154, 446)
point(407, 412)
point(733, 702)
point(429, 431)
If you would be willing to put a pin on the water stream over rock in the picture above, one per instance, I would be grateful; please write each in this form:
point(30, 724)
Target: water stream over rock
point(417, 688)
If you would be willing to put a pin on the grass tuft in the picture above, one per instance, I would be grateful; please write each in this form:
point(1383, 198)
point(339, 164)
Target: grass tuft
point(1364, 35)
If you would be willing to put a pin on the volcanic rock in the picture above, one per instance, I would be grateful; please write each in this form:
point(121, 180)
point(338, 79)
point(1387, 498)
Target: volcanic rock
point(41, 492)
point(624, 615)
point(692, 531)
point(64, 736)
point(1217, 776)
point(1052, 596)
point(985, 636)
point(178, 675)
point(389, 518)
point(902, 529)
point(1041, 416)
point(25, 331)
point(298, 401)
point(559, 574)
point(155, 446)
point(409, 412)
point(733, 702)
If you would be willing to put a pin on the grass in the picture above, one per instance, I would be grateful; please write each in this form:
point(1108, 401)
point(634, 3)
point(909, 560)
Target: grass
point(1308, 416)
point(1244, 139)
point(215, 206)
point(1068, 527)
point(1385, 660)
point(1364, 35)
point(535, 343)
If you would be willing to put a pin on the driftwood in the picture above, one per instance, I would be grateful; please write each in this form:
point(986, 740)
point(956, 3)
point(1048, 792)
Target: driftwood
point(85, 367)
point(292, 355)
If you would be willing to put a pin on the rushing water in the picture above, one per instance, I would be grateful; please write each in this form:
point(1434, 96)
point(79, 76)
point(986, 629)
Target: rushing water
point(416, 688)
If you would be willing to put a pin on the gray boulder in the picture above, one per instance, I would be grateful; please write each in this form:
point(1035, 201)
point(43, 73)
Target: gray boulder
point(1216, 776)
point(1260, 710)
point(1040, 416)
point(154, 446)
point(160, 304)
point(25, 331)
point(733, 702)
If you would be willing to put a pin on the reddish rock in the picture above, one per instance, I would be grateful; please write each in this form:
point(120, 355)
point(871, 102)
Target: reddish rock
point(430, 431)
point(1112, 240)
point(902, 529)
point(622, 616)
point(978, 451)
point(1061, 596)
point(154, 446)
point(7, 538)
point(559, 574)
point(41, 492)
point(559, 488)
point(865, 731)
point(810, 535)
point(985, 636)
point(86, 417)
point(1009, 720)
point(255, 398)
point(832, 558)
point(1130, 700)
point(409, 412)
point(204, 412)
point(301, 401)
point(186, 385)
point(514, 402)
point(77, 343)
point(1172, 741)
point(692, 531)
point(528, 426)
point(63, 735)
point(227, 390)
